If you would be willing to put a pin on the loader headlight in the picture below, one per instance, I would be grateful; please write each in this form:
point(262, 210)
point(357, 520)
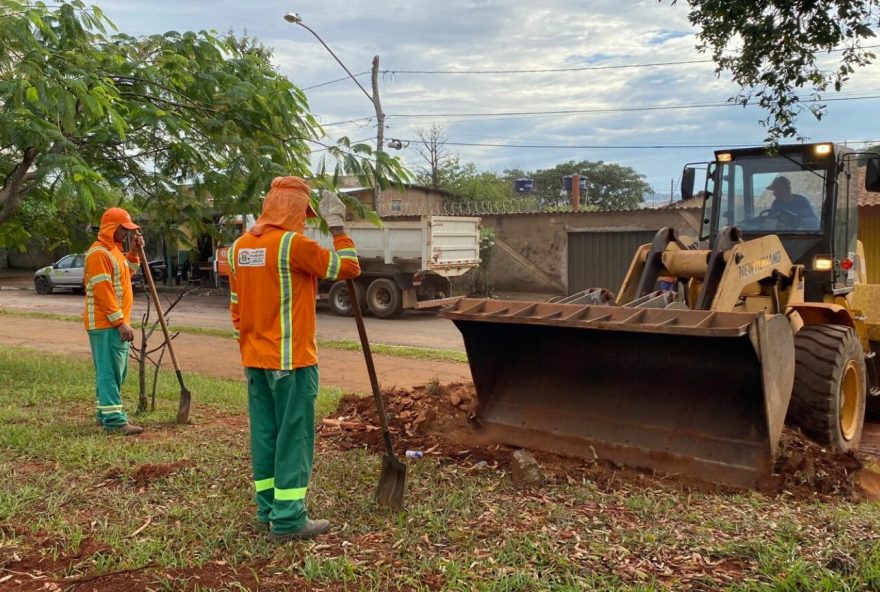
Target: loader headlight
point(823, 263)
point(822, 149)
point(725, 157)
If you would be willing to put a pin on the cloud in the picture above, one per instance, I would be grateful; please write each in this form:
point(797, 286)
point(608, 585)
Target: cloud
point(491, 35)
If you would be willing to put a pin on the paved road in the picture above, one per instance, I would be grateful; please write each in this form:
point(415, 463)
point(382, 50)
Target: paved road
point(420, 329)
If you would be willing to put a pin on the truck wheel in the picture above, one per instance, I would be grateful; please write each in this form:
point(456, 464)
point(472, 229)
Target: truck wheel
point(340, 301)
point(828, 398)
point(43, 285)
point(384, 298)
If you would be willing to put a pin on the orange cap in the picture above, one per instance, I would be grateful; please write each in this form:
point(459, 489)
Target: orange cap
point(118, 216)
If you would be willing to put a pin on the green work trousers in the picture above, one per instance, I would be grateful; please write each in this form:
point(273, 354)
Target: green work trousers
point(110, 356)
point(282, 413)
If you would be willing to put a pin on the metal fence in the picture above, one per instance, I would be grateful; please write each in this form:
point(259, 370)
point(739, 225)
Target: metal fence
point(472, 208)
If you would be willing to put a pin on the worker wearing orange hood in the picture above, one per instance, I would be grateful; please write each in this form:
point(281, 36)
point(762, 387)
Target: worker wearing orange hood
point(107, 317)
point(273, 273)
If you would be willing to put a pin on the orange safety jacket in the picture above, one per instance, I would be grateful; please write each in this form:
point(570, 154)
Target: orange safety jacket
point(273, 287)
point(107, 279)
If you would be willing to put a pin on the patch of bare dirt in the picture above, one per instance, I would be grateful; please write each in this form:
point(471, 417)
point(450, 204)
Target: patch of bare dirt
point(37, 570)
point(33, 467)
point(149, 472)
point(143, 475)
point(440, 420)
point(219, 356)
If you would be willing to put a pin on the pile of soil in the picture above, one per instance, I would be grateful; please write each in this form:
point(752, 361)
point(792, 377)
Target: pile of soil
point(436, 420)
point(441, 421)
point(803, 468)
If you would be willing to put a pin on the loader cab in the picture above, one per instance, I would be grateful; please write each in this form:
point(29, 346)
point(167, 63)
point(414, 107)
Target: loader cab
point(806, 194)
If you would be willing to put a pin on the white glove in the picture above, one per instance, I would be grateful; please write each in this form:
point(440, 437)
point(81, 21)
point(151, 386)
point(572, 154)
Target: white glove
point(332, 209)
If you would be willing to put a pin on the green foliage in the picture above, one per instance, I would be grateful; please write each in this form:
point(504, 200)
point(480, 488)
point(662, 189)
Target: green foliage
point(610, 186)
point(90, 119)
point(466, 183)
point(770, 48)
point(481, 278)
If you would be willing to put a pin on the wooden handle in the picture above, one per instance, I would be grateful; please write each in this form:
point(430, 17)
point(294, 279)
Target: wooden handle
point(368, 358)
point(145, 268)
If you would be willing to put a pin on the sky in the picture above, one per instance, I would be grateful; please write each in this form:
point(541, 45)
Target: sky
point(608, 52)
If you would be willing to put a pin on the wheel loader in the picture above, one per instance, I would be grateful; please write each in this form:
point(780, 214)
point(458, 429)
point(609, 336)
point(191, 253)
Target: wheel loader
point(765, 318)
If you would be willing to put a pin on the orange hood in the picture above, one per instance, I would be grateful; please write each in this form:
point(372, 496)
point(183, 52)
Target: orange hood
point(112, 219)
point(286, 206)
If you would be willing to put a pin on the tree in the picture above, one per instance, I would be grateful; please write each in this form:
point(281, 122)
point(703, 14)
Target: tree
point(467, 184)
point(431, 147)
point(89, 119)
point(610, 186)
point(770, 47)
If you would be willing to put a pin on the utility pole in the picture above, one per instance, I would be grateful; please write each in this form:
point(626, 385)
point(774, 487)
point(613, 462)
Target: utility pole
point(380, 133)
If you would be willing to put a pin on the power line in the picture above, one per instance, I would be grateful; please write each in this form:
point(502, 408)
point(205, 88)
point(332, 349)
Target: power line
point(333, 81)
point(573, 69)
point(365, 119)
point(546, 70)
point(621, 147)
point(616, 109)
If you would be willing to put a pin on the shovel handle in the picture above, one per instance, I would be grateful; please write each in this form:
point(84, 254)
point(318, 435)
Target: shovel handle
point(371, 369)
point(148, 276)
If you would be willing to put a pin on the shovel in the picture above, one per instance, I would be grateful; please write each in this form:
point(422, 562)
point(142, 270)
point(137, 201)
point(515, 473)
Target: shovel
point(185, 395)
point(392, 481)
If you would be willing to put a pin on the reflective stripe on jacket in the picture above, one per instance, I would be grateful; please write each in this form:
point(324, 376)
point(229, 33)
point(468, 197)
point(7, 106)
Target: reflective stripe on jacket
point(273, 284)
point(107, 279)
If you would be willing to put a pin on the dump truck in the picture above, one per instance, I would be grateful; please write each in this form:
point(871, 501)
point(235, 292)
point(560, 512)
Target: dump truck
point(769, 319)
point(405, 264)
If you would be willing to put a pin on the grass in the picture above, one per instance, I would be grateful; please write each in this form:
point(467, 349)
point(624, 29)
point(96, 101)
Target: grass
point(399, 351)
point(67, 487)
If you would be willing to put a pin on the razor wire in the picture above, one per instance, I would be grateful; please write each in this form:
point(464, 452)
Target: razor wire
point(473, 208)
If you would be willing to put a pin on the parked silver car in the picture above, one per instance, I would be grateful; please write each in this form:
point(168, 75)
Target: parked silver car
point(67, 272)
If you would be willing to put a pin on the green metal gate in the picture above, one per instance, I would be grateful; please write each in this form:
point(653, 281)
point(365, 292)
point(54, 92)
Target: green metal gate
point(600, 258)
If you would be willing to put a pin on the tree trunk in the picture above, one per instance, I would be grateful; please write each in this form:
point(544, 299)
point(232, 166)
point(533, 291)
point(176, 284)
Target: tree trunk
point(10, 193)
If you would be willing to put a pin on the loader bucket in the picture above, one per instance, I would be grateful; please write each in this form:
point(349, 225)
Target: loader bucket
point(698, 393)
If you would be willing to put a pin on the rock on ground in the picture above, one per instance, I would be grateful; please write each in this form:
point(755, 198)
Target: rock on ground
point(525, 472)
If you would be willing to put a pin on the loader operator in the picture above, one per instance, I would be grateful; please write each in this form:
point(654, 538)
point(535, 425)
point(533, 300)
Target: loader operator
point(788, 205)
point(107, 280)
point(273, 277)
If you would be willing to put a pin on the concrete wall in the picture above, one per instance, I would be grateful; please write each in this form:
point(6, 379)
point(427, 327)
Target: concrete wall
point(414, 200)
point(531, 250)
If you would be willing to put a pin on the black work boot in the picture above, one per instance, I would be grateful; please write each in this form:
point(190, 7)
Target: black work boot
point(312, 529)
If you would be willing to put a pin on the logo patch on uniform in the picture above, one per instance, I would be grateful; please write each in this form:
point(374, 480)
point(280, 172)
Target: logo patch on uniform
point(252, 257)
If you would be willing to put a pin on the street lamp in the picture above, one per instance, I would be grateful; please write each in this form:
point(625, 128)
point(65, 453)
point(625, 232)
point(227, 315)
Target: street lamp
point(295, 18)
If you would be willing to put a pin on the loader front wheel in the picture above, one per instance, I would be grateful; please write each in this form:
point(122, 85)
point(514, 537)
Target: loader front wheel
point(828, 398)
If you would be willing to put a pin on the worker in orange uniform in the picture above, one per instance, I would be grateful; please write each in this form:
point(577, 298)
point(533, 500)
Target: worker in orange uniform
point(107, 280)
point(274, 270)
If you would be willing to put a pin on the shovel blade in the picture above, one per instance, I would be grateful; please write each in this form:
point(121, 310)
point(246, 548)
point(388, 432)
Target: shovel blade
point(392, 482)
point(184, 405)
